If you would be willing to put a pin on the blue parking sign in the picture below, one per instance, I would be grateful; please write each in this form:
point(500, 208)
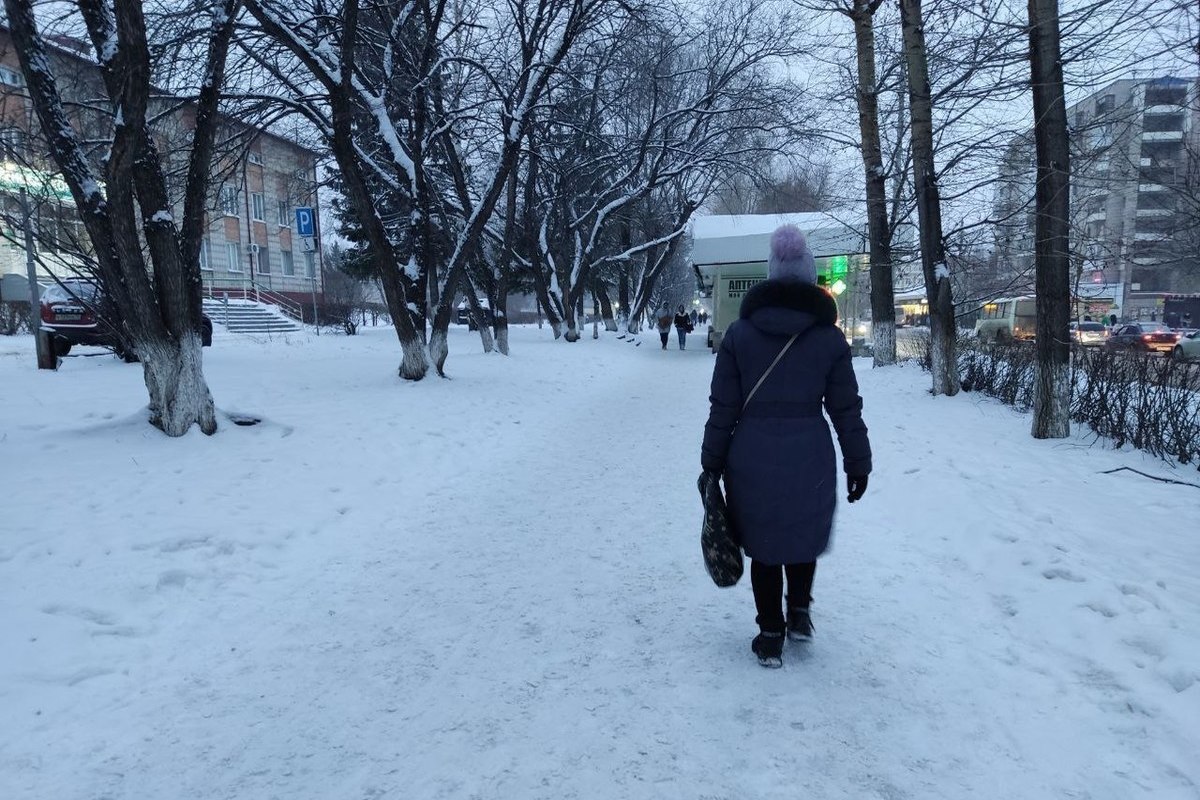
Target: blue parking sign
point(305, 222)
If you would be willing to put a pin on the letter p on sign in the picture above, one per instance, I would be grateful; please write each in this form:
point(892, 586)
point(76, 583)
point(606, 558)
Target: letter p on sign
point(304, 222)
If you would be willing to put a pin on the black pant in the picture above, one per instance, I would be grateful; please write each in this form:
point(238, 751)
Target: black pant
point(665, 336)
point(767, 581)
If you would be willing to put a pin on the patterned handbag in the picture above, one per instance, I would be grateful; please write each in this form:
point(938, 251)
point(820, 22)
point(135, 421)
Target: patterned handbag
point(718, 539)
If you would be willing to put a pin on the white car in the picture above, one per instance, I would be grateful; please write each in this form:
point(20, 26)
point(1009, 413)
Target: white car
point(1089, 333)
point(1188, 347)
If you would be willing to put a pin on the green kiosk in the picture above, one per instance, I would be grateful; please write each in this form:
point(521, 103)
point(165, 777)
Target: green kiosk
point(729, 255)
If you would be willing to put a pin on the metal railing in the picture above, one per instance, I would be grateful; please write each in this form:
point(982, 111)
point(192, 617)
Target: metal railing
point(248, 289)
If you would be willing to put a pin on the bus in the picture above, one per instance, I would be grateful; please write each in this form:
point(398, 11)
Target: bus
point(1007, 319)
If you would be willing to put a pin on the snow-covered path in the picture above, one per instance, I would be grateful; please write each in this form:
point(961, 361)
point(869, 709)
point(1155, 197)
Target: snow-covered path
point(491, 588)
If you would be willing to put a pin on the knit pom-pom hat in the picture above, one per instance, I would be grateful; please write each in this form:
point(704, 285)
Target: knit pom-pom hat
point(790, 256)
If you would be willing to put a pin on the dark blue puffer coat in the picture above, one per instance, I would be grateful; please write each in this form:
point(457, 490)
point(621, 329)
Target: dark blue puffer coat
point(777, 455)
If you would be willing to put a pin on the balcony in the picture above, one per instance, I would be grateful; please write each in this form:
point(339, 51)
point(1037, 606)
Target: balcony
point(1163, 108)
point(1097, 216)
point(1144, 236)
point(1143, 213)
point(1162, 136)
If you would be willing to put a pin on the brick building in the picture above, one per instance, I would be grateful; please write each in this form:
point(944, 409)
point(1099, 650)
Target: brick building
point(260, 178)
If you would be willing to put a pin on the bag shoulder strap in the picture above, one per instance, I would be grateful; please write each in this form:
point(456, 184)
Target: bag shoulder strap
point(771, 368)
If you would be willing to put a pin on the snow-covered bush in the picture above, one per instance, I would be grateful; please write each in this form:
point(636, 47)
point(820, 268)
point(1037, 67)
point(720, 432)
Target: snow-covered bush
point(1147, 401)
point(14, 318)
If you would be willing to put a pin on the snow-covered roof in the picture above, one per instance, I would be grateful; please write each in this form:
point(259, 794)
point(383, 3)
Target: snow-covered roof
point(911, 296)
point(738, 238)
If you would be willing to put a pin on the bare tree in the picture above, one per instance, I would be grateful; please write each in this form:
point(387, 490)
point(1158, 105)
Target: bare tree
point(348, 101)
point(929, 210)
point(643, 126)
point(125, 205)
point(1052, 389)
point(883, 308)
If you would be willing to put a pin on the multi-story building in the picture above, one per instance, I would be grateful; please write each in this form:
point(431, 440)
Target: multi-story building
point(259, 179)
point(1135, 196)
point(1013, 215)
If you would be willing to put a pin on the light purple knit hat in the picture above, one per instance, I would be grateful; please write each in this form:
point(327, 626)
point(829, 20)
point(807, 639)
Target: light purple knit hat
point(790, 257)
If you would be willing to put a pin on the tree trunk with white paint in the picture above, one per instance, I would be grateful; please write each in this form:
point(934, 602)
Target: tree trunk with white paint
point(883, 307)
point(943, 332)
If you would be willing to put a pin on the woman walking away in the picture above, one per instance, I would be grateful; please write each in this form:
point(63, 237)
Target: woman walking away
point(778, 365)
point(664, 324)
point(683, 324)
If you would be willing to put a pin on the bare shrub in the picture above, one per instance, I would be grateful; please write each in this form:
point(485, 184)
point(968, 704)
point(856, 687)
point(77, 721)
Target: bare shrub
point(14, 318)
point(1146, 401)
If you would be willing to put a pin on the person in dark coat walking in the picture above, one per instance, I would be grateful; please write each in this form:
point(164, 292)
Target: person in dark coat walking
point(776, 454)
point(683, 323)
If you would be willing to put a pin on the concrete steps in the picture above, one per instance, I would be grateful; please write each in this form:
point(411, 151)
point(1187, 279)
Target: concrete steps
point(245, 316)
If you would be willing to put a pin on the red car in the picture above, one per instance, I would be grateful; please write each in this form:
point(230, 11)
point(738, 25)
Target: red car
point(72, 312)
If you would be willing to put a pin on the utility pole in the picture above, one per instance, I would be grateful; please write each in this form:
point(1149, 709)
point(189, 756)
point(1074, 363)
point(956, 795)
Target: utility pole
point(45, 353)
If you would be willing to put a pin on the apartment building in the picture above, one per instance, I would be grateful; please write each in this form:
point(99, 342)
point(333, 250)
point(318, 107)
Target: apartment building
point(259, 180)
point(1135, 197)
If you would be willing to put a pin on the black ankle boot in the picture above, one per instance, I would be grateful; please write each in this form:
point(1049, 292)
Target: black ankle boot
point(799, 624)
point(768, 646)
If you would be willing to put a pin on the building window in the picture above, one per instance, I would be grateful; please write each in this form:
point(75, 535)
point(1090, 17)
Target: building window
point(205, 258)
point(264, 259)
point(229, 201)
point(11, 77)
point(12, 144)
point(284, 209)
point(1153, 123)
point(233, 256)
point(258, 207)
point(1165, 224)
point(254, 158)
point(1106, 104)
point(1150, 250)
point(310, 265)
point(1156, 201)
point(1149, 280)
point(1166, 93)
point(287, 262)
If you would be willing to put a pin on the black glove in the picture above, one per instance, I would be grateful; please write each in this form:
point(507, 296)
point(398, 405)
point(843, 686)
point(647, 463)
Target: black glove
point(706, 476)
point(856, 487)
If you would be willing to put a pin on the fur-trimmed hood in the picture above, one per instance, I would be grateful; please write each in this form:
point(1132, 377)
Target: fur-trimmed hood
point(786, 307)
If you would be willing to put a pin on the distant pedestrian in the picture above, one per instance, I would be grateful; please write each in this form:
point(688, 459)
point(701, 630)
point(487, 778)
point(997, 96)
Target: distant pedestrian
point(664, 320)
point(694, 317)
point(683, 324)
point(788, 358)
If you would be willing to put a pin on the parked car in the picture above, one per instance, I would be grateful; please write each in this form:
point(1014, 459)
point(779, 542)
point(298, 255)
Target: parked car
point(1090, 334)
point(77, 313)
point(1188, 347)
point(463, 314)
point(1145, 337)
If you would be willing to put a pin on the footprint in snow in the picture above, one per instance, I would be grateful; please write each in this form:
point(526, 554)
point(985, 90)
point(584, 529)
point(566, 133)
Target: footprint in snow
point(1058, 573)
point(1180, 679)
point(80, 612)
point(1007, 604)
point(1102, 609)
